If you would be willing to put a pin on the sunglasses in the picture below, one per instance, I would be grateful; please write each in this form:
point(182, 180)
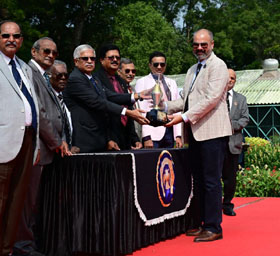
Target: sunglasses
point(203, 45)
point(59, 76)
point(162, 64)
point(15, 36)
point(92, 58)
point(127, 71)
point(111, 58)
point(48, 51)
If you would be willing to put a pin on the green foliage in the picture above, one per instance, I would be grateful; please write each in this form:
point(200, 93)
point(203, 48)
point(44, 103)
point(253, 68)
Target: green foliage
point(259, 182)
point(140, 29)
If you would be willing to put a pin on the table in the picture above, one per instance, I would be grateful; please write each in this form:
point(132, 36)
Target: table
point(86, 204)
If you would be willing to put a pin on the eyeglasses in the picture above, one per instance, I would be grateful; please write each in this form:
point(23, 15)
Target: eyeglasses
point(111, 58)
point(92, 58)
point(127, 71)
point(48, 51)
point(162, 64)
point(203, 45)
point(59, 76)
point(15, 36)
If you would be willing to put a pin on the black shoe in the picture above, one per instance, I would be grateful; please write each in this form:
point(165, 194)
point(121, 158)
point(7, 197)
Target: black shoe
point(229, 212)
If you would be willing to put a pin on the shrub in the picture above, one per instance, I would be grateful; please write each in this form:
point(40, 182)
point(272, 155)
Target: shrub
point(259, 182)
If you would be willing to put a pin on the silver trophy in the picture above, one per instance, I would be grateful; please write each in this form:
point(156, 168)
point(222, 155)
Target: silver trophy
point(156, 116)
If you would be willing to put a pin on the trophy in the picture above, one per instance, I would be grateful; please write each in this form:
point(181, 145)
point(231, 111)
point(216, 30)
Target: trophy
point(156, 116)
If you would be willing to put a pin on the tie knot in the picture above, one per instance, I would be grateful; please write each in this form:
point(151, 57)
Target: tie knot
point(12, 63)
point(60, 96)
point(199, 65)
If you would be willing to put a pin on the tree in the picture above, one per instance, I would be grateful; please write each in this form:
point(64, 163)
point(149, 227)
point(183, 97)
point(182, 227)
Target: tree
point(139, 30)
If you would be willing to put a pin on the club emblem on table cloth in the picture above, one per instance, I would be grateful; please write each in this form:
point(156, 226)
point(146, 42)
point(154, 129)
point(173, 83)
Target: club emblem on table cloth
point(165, 178)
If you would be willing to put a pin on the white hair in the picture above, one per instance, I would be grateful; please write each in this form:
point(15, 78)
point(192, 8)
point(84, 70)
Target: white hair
point(80, 48)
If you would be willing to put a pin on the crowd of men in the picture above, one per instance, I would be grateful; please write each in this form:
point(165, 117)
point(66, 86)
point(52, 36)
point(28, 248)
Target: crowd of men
point(46, 112)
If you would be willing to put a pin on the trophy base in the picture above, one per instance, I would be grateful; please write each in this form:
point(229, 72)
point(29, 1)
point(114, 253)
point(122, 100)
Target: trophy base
point(157, 118)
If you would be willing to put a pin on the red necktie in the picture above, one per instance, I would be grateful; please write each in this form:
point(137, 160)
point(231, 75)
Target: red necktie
point(118, 89)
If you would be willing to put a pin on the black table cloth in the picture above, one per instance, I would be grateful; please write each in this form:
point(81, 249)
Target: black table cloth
point(87, 204)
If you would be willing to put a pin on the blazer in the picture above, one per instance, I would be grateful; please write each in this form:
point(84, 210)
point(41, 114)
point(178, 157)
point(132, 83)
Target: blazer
point(148, 82)
point(89, 107)
point(239, 116)
point(124, 136)
point(50, 113)
point(207, 107)
point(12, 121)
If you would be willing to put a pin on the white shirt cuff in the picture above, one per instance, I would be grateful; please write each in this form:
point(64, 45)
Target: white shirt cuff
point(185, 118)
point(123, 112)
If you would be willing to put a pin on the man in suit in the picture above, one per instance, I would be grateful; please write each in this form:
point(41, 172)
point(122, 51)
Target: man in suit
point(90, 103)
point(159, 137)
point(51, 134)
point(239, 116)
point(206, 127)
point(127, 72)
point(122, 134)
point(18, 132)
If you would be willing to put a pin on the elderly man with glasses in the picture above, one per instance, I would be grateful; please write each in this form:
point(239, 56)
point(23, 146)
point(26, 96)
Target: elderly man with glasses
point(122, 130)
point(90, 103)
point(159, 137)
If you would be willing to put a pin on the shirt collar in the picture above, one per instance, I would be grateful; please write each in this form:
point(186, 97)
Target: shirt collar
point(8, 59)
point(230, 92)
point(41, 70)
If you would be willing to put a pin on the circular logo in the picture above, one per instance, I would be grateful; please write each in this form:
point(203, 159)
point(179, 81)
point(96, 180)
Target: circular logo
point(165, 178)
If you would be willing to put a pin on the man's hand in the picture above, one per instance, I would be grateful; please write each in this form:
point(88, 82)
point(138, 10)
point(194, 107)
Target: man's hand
point(75, 150)
point(64, 150)
point(137, 116)
point(138, 145)
point(146, 94)
point(148, 144)
point(178, 142)
point(112, 145)
point(175, 119)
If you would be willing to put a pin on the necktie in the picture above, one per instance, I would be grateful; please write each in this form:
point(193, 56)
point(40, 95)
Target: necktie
point(118, 89)
point(228, 105)
point(67, 128)
point(48, 80)
point(199, 65)
point(25, 93)
point(95, 85)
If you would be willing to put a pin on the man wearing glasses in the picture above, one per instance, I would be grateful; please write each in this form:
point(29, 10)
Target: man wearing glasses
point(51, 133)
point(159, 137)
point(90, 103)
point(206, 128)
point(19, 139)
point(122, 134)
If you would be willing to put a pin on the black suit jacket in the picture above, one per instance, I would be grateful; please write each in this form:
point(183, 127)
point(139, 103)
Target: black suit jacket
point(89, 107)
point(125, 136)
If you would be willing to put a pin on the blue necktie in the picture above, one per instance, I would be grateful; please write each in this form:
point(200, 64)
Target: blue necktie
point(26, 93)
point(95, 85)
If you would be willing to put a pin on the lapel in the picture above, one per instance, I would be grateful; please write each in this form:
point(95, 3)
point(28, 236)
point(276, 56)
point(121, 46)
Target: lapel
point(104, 79)
point(7, 73)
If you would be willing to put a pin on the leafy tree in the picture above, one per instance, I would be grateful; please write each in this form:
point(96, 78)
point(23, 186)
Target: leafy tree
point(140, 29)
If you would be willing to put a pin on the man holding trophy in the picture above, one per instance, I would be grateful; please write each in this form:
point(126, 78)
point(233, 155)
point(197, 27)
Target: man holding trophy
point(156, 135)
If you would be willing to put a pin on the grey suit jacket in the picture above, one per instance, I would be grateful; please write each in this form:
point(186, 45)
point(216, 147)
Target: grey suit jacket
point(50, 114)
point(12, 115)
point(207, 108)
point(239, 116)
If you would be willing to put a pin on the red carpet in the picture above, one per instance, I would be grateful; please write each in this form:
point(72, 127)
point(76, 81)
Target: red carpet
point(253, 232)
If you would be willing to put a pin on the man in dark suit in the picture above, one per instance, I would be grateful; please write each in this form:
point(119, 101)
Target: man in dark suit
point(206, 127)
point(122, 132)
point(239, 116)
point(51, 134)
point(19, 139)
point(90, 103)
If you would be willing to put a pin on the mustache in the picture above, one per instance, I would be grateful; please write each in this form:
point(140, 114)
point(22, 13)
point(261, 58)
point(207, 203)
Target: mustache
point(114, 62)
point(89, 65)
point(11, 43)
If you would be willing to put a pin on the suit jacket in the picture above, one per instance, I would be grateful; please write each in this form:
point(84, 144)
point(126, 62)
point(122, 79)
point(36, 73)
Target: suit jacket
point(207, 108)
point(12, 121)
point(89, 107)
point(239, 116)
point(125, 136)
point(50, 114)
point(148, 82)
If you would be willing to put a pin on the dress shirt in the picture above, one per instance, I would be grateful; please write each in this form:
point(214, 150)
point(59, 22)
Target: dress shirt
point(27, 108)
point(230, 95)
